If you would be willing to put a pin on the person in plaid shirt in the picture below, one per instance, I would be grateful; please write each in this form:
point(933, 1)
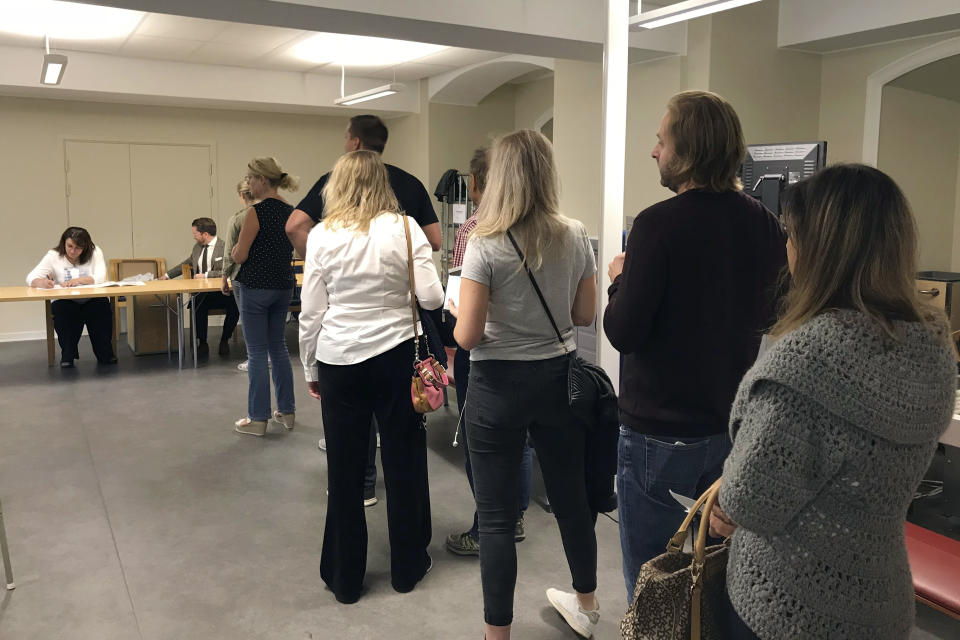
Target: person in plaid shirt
point(468, 542)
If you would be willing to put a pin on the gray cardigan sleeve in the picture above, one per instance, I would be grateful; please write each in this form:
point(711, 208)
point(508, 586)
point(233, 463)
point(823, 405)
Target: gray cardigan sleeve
point(784, 453)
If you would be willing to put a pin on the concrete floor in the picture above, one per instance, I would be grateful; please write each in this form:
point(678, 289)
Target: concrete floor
point(135, 512)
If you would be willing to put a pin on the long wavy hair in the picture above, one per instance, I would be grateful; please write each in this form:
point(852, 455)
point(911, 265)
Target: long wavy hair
point(855, 240)
point(522, 196)
point(357, 192)
point(81, 238)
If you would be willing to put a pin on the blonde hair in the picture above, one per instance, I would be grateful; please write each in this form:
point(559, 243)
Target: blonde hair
point(269, 168)
point(357, 192)
point(243, 190)
point(708, 142)
point(856, 248)
point(521, 196)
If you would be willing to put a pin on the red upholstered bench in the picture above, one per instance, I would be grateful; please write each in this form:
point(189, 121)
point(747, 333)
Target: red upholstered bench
point(935, 565)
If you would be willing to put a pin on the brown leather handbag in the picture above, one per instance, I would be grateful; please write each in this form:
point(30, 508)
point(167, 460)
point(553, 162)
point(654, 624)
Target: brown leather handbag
point(429, 377)
point(679, 594)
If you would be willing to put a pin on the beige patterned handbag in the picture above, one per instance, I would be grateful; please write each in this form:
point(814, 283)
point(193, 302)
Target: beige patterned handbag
point(680, 595)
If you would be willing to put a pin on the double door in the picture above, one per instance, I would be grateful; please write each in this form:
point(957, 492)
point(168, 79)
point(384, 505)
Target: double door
point(137, 200)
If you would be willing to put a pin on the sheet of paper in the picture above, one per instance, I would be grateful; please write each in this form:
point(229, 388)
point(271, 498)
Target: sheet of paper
point(453, 291)
point(459, 213)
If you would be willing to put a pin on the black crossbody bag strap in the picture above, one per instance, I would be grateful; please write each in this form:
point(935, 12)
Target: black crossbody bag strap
point(536, 288)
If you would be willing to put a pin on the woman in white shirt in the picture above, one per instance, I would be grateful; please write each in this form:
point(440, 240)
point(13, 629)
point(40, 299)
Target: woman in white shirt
point(356, 344)
point(73, 262)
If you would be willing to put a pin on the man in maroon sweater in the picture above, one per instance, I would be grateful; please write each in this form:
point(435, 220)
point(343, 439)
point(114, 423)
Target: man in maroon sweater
point(689, 302)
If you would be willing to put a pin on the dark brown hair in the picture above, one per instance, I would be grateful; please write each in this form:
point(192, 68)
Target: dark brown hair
point(707, 141)
point(855, 240)
point(478, 167)
point(81, 238)
point(371, 131)
point(205, 225)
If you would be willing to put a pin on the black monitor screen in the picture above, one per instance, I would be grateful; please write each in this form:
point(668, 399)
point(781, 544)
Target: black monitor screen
point(769, 168)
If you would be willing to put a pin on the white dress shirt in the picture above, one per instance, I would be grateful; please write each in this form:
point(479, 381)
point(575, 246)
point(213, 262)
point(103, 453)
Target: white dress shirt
point(211, 264)
point(55, 266)
point(355, 302)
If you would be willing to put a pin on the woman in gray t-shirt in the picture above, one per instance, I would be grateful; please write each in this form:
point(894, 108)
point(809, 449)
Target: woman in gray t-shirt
point(518, 372)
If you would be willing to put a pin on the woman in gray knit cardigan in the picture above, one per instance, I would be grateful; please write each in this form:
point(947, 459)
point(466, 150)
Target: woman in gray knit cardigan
point(834, 426)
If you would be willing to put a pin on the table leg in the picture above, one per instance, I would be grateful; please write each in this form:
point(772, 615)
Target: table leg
point(116, 324)
point(51, 349)
point(166, 314)
point(193, 324)
point(7, 568)
point(180, 331)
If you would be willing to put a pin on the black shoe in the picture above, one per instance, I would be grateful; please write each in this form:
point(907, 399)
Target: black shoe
point(110, 360)
point(66, 364)
point(224, 349)
point(203, 350)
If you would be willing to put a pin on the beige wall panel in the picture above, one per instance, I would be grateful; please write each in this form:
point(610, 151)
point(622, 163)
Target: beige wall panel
point(843, 92)
point(919, 149)
point(533, 100)
point(161, 225)
point(577, 91)
point(98, 187)
point(776, 92)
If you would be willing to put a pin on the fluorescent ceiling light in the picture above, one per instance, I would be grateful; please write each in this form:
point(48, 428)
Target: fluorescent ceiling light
point(66, 20)
point(683, 11)
point(53, 67)
point(369, 94)
point(360, 51)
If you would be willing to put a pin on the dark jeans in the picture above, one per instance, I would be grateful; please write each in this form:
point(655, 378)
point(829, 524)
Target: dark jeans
point(648, 467)
point(461, 373)
point(215, 300)
point(264, 321)
point(69, 317)
point(352, 394)
point(505, 401)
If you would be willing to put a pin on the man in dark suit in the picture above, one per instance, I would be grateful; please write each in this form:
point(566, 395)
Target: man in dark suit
point(206, 261)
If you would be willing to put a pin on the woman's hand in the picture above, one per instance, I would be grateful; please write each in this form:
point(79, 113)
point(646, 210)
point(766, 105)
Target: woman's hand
point(225, 286)
point(43, 283)
point(452, 308)
point(721, 526)
point(314, 389)
point(78, 281)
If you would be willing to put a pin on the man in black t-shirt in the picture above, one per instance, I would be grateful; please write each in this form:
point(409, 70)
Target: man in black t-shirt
point(689, 302)
point(367, 132)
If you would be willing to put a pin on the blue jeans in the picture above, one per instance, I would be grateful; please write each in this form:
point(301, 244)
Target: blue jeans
point(461, 373)
point(264, 313)
point(648, 467)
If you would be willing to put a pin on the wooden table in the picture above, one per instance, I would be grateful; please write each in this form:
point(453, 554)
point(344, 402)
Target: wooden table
point(162, 289)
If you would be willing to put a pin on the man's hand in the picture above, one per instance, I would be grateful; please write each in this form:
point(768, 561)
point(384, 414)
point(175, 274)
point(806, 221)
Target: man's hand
point(164, 277)
point(616, 266)
point(721, 526)
point(199, 276)
point(314, 389)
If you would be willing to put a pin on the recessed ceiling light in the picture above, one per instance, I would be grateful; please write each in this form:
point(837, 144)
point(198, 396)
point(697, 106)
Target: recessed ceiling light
point(360, 51)
point(66, 20)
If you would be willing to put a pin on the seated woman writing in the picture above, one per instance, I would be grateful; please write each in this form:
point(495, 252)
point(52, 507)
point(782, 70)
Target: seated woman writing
point(76, 261)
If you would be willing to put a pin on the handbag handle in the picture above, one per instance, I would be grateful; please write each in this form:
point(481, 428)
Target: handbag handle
point(413, 299)
point(536, 288)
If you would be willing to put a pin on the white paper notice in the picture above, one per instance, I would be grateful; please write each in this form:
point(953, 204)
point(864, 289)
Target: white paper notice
point(453, 291)
point(459, 213)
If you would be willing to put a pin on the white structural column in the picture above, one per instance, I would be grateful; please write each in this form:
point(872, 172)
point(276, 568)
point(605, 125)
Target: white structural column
point(615, 48)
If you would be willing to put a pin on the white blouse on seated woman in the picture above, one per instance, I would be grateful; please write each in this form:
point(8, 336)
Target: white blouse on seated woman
point(59, 269)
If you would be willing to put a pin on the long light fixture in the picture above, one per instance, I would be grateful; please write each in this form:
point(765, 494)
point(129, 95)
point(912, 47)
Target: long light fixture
point(54, 65)
point(369, 94)
point(683, 11)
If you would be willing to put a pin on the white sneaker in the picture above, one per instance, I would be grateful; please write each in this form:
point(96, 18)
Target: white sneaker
point(567, 605)
point(322, 444)
point(242, 366)
point(369, 502)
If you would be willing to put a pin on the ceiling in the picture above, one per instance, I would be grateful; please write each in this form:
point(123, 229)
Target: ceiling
point(938, 78)
point(194, 40)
